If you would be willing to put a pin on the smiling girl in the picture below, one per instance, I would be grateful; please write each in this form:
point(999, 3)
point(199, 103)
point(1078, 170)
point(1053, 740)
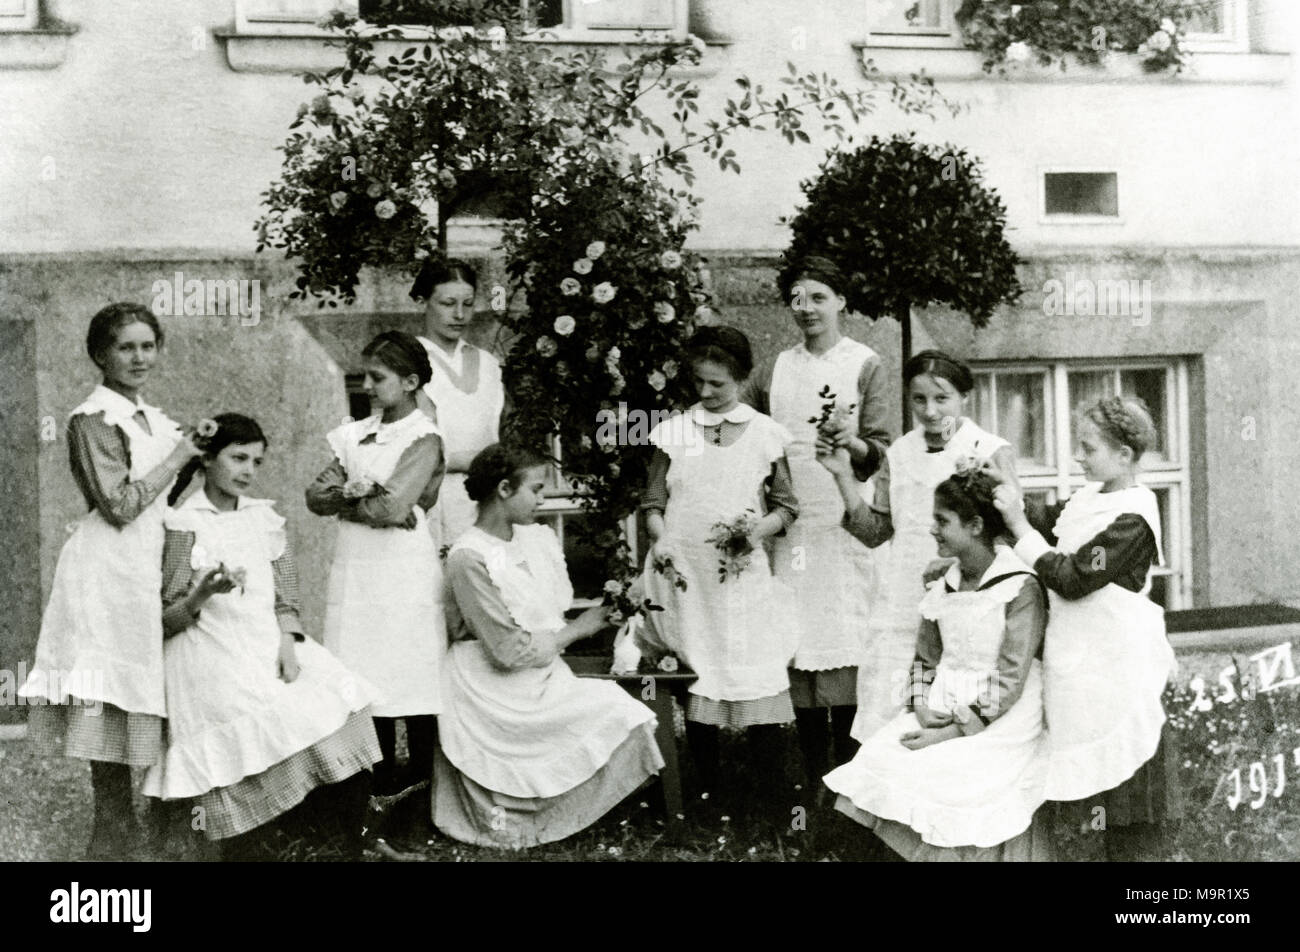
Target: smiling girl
point(383, 615)
point(258, 715)
point(1107, 658)
point(96, 685)
point(938, 388)
point(960, 775)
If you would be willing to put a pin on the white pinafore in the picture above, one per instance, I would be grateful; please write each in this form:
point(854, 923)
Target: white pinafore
point(229, 715)
point(101, 635)
point(468, 421)
point(384, 616)
point(980, 790)
point(529, 732)
point(738, 636)
point(913, 475)
point(831, 573)
point(1106, 660)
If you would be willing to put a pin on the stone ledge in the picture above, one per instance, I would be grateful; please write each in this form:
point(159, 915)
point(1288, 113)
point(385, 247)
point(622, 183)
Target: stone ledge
point(967, 65)
point(41, 48)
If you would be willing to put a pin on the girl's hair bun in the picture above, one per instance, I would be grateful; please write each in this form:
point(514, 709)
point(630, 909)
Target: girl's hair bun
point(1124, 421)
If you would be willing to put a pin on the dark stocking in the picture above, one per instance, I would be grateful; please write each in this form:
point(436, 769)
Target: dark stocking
point(843, 743)
point(814, 741)
point(706, 755)
point(115, 831)
point(386, 781)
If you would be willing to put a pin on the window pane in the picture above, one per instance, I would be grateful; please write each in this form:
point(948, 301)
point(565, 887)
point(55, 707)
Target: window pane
point(1086, 388)
point(1022, 416)
point(1149, 385)
point(923, 13)
point(1207, 16)
point(1164, 584)
point(586, 570)
point(981, 402)
point(904, 16)
point(1081, 193)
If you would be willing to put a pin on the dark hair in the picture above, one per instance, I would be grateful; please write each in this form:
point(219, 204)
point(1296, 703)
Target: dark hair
point(970, 495)
point(500, 461)
point(722, 345)
point(105, 325)
point(233, 429)
point(401, 353)
point(814, 268)
point(1124, 421)
point(939, 364)
point(438, 270)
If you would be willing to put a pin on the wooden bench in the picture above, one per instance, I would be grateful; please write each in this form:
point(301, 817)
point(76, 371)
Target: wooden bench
point(663, 686)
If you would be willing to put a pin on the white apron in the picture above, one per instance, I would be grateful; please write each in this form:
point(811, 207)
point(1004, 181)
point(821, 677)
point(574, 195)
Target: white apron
point(913, 476)
point(738, 636)
point(830, 572)
point(1106, 660)
point(383, 613)
point(530, 732)
point(229, 715)
point(101, 635)
point(468, 422)
point(980, 790)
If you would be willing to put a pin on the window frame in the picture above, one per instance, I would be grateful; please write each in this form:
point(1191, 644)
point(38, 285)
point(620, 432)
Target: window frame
point(944, 36)
point(1235, 37)
point(1173, 477)
point(25, 17)
point(1070, 219)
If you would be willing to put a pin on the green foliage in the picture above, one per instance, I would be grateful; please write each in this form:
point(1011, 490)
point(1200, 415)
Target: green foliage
point(909, 225)
point(1089, 29)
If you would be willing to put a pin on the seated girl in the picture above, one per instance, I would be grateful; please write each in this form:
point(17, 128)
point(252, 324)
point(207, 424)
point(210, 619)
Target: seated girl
point(961, 774)
point(258, 716)
point(530, 753)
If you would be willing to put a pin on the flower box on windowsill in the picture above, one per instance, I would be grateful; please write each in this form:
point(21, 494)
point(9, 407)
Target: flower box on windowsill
point(44, 47)
point(947, 64)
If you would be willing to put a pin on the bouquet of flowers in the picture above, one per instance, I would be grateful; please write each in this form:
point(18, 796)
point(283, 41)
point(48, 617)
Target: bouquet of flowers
point(734, 540)
point(663, 564)
point(627, 606)
point(203, 563)
point(362, 488)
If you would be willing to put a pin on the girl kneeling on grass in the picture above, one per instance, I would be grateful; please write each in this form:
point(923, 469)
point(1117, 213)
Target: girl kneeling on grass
point(258, 716)
point(960, 775)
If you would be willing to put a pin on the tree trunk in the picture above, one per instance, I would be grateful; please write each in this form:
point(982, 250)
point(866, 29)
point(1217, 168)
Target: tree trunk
point(904, 316)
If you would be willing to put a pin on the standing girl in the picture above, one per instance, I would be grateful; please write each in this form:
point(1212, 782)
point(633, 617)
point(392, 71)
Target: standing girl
point(829, 572)
point(384, 616)
point(713, 463)
point(938, 387)
point(960, 774)
point(466, 391)
point(99, 661)
point(1107, 658)
point(531, 753)
point(258, 715)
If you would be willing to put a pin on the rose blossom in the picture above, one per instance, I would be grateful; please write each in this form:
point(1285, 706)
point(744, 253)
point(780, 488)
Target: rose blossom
point(1019, 52)
point(670, 369)
point(1159, 41)
point(657, 380)
point(375, 190)
point(564, 325)
point(595, 249)
point(603, 293)
point(582, 266)
point(664, 312)
point(546, 347)
point(670, 259)
point(338, 200)
point(385, 210)
point(570, 286)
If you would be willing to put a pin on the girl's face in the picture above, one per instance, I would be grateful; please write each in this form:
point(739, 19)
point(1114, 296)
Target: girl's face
point(385, 388)
point(126, 364)
point(718, 390)
point(937, 406)
point(955, 538)
point(1101, 460)
point(233, 469)
point(448, 309)
point(522, 504)
point(816, 306)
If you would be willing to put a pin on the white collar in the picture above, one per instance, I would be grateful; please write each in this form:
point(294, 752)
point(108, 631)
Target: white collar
point(386, 432)
point(116, 407)
point(740, 413)
point(1005, 561)
point(455, 360)
point(803, 347)
point(199, 500)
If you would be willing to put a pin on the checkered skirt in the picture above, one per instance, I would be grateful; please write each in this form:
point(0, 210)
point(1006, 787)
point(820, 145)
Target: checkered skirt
point(106, 734)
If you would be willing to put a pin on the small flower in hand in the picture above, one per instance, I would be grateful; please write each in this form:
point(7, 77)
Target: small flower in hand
point(359, 488)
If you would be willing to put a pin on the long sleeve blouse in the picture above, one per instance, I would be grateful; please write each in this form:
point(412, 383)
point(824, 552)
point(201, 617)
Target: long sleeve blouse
point(100, 456)
point(416, 480)
point(1122, 553)
point(477, 611)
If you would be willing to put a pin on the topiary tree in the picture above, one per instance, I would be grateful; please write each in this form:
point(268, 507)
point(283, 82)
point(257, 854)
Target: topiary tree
point(909, 225)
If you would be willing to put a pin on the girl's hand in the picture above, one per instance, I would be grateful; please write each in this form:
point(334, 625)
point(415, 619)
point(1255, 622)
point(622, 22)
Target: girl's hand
point(915, 740)
point(185, 449)
point(936, 570)
point(592, 621)
point(216, 581)
point(287, 663)
point(928, 717)
point(838, 430)
point(836, 461)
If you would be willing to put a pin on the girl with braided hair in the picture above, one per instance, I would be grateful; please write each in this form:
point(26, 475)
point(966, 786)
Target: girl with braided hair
point(960, 774)
point(1106, 658)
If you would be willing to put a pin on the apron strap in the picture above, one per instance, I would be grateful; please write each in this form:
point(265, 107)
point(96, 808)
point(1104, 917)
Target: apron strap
point(1042, 595)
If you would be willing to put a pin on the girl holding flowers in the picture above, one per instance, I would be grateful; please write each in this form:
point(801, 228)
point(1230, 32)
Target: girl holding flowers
point(718, 487)
point(1107, 657)
point(827, 388)
point(384, 615)
point(96, 686)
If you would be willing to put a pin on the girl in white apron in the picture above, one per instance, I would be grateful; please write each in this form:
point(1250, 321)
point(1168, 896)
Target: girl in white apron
point(1107, 657)
point(258, 715)
point(738, 634)
point(961, 773)
point(830, 573)
point(900, 513)
point(531, 753)
point(384, 615)
point(97, 679)
point(466, 391)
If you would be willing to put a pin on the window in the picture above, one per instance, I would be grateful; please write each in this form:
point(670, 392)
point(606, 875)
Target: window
point(19, 14)
point(1217, 25)
point(912, 23)
point(1033, 406)
point(1081, 195)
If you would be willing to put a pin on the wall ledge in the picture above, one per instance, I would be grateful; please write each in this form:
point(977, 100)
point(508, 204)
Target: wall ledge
point(962, 65)
point(42, 48)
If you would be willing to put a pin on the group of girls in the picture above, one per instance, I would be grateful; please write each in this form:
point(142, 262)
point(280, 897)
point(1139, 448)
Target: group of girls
point(975, 699)
point(1025, 671)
